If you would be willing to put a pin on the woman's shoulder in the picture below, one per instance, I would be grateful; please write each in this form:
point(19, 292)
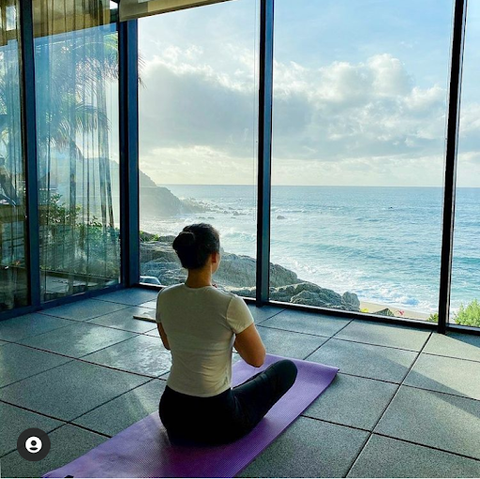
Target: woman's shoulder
point(215, 293)
point(232, 302)
point(169, 291)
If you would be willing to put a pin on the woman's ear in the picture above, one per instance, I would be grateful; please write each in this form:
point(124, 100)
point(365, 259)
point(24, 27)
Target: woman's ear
point(215, 261)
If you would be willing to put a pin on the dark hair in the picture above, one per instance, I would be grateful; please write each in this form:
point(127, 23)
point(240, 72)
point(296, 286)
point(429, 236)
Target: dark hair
point(195, 244)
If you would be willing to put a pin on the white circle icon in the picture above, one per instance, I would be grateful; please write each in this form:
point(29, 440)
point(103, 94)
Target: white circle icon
point(33, 445)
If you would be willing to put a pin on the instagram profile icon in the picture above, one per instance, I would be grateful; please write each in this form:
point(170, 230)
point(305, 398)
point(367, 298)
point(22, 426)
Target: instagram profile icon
point(33, 444)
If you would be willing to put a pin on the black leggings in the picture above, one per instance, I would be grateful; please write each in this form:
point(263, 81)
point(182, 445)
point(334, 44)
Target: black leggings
point(227, 416)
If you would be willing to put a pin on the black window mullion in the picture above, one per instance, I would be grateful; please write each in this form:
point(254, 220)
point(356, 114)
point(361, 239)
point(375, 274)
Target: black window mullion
point(129, 174)
point(264, 150)
point(29, 147)
point(454, 97)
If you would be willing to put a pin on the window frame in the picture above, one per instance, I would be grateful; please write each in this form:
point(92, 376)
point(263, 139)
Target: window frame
point(129, 169)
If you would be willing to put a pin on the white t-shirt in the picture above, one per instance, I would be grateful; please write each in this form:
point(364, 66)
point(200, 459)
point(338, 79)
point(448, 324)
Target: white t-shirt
point(200, 324)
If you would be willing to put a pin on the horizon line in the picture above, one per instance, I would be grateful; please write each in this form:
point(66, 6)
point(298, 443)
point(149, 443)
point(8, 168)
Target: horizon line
point(313, 186)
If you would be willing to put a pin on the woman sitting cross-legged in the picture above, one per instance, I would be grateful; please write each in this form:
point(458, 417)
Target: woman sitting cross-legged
point(200, 325)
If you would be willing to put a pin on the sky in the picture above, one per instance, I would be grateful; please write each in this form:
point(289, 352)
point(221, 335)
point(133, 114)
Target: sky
point(360, 92)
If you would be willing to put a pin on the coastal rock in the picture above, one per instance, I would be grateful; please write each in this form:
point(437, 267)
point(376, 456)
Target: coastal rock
point(160, 201)
point(238, 275)
point(157, 201)
point(351, 301)
point(312, 294)
point(385, 312)
point(157, 255)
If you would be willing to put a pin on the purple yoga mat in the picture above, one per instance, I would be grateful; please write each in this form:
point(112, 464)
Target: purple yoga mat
point(144, 450)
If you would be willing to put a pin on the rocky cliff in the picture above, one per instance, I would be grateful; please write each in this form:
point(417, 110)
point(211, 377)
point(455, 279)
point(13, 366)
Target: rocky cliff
point(237, 274)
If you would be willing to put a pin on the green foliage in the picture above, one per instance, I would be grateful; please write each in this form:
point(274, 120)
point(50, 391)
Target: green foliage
point(146, 237)
point(55, 212)
point(433, 318)
point(470, 315)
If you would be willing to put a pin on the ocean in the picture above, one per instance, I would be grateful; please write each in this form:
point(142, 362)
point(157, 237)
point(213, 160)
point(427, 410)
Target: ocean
point(382, 243)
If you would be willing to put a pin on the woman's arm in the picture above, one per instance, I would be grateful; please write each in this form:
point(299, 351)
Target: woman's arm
point(163, 335)
point(249, 345)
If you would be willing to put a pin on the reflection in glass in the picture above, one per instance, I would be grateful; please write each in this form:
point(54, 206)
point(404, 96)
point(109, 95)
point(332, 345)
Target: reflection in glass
point(76, 64)
point(198, 126)
point(13, 271)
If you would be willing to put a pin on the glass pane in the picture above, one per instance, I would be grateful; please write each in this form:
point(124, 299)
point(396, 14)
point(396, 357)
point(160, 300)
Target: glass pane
point(13, 270)
point(77, 128)
point(198, 133)
point(465, 294)
point(358, 149)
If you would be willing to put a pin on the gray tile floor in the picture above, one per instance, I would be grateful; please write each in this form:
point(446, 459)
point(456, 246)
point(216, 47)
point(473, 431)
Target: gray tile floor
point(406, 403)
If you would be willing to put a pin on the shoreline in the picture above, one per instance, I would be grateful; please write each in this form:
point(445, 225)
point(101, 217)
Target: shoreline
point(369, 307)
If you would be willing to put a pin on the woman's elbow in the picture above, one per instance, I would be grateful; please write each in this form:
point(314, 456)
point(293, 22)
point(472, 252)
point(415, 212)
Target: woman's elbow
point(259, 360)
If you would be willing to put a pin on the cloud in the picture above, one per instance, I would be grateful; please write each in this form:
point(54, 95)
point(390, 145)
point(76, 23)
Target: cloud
point(368, 116)
point(187, 103)
point(369, 108)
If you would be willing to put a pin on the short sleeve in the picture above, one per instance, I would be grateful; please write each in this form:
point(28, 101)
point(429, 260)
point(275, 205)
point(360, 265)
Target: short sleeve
point(158, 309)
point(239, 317)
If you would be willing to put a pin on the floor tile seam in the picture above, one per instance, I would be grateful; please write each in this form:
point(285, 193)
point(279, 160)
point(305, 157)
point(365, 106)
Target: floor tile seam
point(374, 426)
point(364, 445)
point(72, 421)
point(358, 455)
point(388, 436)
point(36, 374)
point(294, 332)
point(325, 342)
point(270, 317)
point(379, 345)
point(43, 332)
point(122, 304)
point(385, 381)
point(336, 423)
point(49, 432)
point(63, 421)
point(145, 333)
point(308, 334)
point(400, 384)
point(36, 348)
point(73, 321)
point(81, 359)
point(449, 357)
point(136, 333)
point(77, 322)
point(440, 392)
point(46, 313)
point(143, 375)
point(72, 357)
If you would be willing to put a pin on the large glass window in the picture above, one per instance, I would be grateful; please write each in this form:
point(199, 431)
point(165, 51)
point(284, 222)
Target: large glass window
point(465, 294)
point(198, 130)
point(13, 241)
point(358, 151)
point(76, 65)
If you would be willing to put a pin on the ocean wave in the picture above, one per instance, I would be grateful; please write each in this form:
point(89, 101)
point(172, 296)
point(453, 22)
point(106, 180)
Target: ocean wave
point(383, 244)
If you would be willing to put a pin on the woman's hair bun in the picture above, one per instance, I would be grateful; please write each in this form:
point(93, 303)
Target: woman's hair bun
point(195, 244)
point(184, 240)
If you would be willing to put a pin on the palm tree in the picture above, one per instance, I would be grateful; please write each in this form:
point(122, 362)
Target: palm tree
point(72, 73)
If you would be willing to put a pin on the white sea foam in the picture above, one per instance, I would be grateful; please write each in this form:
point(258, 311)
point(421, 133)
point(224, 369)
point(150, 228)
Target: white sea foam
point(382, 244)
